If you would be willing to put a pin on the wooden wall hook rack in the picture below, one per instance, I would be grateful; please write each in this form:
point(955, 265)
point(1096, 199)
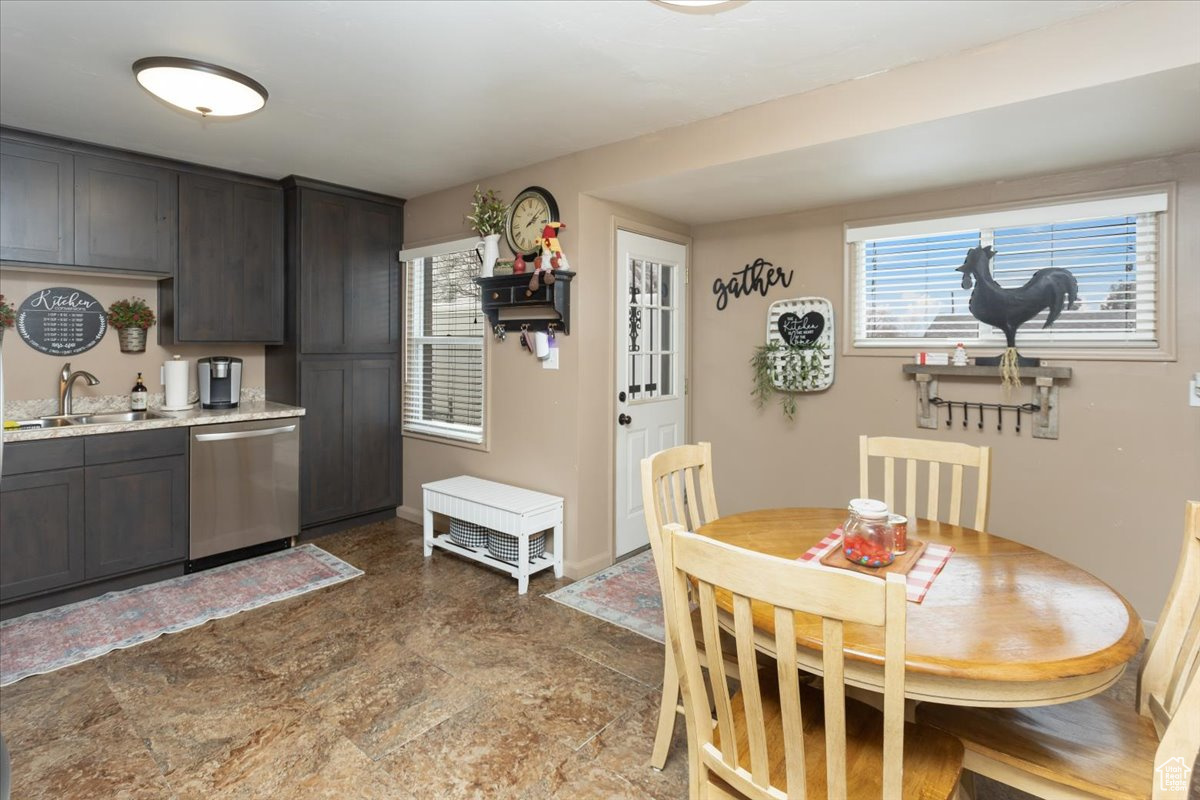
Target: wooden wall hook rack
point(1043, 408)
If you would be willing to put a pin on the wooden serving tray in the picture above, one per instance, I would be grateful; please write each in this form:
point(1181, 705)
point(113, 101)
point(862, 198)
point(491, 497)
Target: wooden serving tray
point(901, 566)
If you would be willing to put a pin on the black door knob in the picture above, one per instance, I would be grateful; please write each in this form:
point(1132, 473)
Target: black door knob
point(624, 419)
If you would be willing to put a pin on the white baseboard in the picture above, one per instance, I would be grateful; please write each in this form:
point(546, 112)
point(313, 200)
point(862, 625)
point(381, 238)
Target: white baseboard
point(411, 514)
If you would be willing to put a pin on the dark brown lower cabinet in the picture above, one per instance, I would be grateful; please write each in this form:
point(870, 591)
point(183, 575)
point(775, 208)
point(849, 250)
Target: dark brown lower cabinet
point(76, 512)
point(350, 441)
point(41, 531)
point(137, 514)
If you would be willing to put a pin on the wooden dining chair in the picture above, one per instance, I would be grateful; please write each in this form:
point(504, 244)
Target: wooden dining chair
point(677, 487)
point(911, 451)
point(1099, 747)
point(774, 736)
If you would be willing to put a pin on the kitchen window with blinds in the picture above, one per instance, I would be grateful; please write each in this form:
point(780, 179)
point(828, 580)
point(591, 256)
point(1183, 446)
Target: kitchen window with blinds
point(444, 357)
point(908, 293)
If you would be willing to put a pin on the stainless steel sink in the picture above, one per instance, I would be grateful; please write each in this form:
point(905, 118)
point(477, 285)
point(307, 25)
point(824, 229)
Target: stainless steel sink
point(117, 416)
point(44, 422)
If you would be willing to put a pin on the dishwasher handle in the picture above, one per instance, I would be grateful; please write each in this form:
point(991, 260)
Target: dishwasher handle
point(221, 437)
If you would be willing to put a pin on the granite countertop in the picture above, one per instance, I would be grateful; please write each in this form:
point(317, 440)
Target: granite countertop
point(247, 411)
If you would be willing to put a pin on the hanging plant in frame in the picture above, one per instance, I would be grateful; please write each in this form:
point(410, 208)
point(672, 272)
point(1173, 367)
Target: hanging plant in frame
point(786, 369)
point(798, 355)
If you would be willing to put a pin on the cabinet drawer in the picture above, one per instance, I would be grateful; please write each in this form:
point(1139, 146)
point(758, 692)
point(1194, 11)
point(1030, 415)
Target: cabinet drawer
point(22, 457)
point(500, 296)
point(111, 447)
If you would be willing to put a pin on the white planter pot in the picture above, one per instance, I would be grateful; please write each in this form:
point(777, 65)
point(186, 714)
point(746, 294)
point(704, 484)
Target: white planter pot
point(489, 253)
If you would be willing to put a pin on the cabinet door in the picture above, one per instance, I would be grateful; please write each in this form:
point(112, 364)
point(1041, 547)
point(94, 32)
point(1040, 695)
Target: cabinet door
point(125, 215)
point(326, 387)
point(373, 284)
point(258, 241)
point(37, 214)
point(324, 265)
point(376, 421)
point(207, 290)
point(41, 531)
point(349, 275)
point(137, 514)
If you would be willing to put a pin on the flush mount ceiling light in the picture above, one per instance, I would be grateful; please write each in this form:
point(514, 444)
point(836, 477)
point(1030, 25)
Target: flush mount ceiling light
point(700, 6)
point(204, 89)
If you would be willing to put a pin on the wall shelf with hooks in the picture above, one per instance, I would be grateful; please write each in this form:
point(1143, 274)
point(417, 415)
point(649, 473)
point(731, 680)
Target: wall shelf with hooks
point(509, 303)
point(1043, 408)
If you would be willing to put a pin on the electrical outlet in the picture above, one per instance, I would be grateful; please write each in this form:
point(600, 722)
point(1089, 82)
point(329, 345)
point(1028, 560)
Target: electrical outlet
point(551, 361)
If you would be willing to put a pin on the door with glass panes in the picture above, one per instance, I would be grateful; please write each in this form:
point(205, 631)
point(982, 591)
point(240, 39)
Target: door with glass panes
point(650, 369)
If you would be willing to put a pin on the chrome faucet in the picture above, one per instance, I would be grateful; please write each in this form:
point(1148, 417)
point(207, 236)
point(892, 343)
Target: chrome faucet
point(66, 380)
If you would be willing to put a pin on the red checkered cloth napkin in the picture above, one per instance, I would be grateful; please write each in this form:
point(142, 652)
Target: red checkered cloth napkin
point(919, 578)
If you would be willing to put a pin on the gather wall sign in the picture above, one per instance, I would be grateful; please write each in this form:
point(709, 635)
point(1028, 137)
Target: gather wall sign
point(758, 276)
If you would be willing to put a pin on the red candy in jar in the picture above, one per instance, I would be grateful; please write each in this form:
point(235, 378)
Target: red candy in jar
point(867, 538)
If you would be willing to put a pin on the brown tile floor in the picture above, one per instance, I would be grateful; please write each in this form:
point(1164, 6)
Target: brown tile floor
point(421, 679)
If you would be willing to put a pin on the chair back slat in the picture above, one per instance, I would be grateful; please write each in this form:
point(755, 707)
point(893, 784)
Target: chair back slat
point(756, 731)
point(833, 664)
point(1174, 650)
point(956, 485)
point(737, 748)
point(789, 703)
point(915, 451)
point(712, 634)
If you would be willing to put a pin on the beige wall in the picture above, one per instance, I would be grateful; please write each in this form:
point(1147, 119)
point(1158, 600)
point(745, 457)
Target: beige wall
point(1107, 495)
point(30, 375)
point(547, 430)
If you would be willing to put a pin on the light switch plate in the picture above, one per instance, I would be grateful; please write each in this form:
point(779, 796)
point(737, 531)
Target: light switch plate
point(551, 361)
point(1194, 390)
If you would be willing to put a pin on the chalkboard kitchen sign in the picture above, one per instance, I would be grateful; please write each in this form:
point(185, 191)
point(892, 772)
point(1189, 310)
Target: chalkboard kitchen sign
point(61, 321)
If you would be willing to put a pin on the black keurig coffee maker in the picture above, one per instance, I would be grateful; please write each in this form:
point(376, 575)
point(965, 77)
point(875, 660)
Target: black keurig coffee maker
point(220, 381)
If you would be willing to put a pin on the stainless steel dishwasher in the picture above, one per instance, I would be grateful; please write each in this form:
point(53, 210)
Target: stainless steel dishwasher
point(245, 485)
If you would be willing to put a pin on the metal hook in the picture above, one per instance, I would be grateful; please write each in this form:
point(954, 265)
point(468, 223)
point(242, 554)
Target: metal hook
point(981, 416)
point(966, 410)
point(999, 417)
point(949, 414)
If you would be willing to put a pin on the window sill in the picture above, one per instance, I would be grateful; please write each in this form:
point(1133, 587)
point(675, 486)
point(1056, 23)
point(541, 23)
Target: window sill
point(481, 447)
point(1156, 354)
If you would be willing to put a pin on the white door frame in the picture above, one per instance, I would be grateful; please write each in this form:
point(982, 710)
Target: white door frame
point(619, 338)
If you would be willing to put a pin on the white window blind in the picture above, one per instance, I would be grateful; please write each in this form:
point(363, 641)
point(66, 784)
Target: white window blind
point(908, 292)
point(444, 364)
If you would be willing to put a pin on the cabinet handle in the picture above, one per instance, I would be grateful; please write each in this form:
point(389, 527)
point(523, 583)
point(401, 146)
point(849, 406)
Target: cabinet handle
point(495, 295)
point(220, 437)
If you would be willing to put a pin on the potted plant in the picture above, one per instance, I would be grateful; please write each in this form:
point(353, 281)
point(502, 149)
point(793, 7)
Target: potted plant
point(8, 317)
point(786, 369)
point(131, 318)
point(487, 216)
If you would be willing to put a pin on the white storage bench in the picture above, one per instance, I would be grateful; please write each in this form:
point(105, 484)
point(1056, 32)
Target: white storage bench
point(508, 509)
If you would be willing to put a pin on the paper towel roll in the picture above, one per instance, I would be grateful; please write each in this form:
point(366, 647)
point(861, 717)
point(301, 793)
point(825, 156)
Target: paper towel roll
point(175, 382)
point(541, 344)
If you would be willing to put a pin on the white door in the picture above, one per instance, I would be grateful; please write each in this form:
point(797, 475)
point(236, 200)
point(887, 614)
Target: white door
point(650, 368)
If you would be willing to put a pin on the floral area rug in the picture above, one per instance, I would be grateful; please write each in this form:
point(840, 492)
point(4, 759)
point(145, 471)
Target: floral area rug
point(46, 641)
point(625, 594)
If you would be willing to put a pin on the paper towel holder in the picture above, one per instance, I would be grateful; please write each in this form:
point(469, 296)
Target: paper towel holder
point(162, 371)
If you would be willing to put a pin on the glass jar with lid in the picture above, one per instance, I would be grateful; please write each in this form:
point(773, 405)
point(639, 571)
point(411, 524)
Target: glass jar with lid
point(867, 538)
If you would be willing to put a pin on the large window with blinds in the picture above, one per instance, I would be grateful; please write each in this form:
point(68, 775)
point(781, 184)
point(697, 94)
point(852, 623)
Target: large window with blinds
point(444, 356)
point(907, 290)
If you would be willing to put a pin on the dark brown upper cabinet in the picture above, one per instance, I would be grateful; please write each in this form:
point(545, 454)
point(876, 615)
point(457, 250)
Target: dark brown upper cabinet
point(37, 212)
point(349, 276)
point(230, 280)
point(125, 216)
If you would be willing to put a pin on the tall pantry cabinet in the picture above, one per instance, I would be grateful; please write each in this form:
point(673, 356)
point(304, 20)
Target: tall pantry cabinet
point(341, 356)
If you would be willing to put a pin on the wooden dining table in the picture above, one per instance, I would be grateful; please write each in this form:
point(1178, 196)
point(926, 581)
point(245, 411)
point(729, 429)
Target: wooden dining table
point(1003, 624)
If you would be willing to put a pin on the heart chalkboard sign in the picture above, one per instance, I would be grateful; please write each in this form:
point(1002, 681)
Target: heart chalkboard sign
point(796, 330)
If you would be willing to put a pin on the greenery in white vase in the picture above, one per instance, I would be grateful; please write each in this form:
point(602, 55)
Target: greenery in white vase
point(488, 212)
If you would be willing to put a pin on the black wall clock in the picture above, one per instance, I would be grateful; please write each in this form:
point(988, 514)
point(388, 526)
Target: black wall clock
point(527, 217)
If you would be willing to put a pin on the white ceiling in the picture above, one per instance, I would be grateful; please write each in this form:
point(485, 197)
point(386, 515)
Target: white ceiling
point(1154, 115)
point(410, 97)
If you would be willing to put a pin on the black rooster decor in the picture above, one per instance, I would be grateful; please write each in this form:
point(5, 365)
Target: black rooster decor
point(1009, 309)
